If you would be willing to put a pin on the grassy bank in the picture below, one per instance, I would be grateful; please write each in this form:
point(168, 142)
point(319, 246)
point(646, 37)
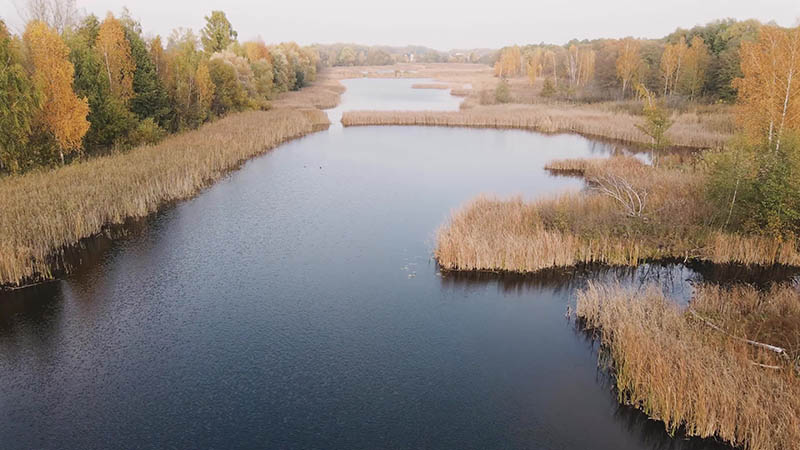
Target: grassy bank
point(694, 368)
point(631, 213)
point(689, 129)
point(44, 212)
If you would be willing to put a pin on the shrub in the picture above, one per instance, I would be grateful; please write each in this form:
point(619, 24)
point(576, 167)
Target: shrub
point(502, 92)
point(548, 90)
point(147, 133)
point(757, 188)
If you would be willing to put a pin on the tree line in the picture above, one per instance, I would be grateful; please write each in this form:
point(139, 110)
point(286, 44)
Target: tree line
point(343, 55)
point(72, 86)
point(700, 62)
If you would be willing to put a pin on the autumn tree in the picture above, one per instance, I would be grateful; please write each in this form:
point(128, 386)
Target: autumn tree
point(695, 65)
point(218, 33)
point(204, 90)
point(769, 92)
point(346, 57)
point(509, 63)
point(580, 65)
point(19, 103)
point(756, 181)
point(282, 70)
point(533, 64)
point(110, 120)
point(550, 56)
point(189, 95)
point(63, 113)
point(256, 50)
point(628, 62)
point(263, 76)
point(671, 63)
point(115, 53)
point(157, 56)
point(229, 95)
point(657, 119)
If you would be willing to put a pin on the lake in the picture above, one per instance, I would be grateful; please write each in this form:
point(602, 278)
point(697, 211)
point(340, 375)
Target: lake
point(295, 305)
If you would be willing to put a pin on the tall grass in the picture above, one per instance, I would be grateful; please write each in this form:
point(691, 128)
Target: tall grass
point(430, 86)
point(687, 130)
point(42, 213)
point(584, 227)
point(700, 376)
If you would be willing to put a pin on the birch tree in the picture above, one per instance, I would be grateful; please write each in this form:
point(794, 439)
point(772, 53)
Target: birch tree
point(63, 113)
point(115, 54)
point(769, 91)
point(628, 62)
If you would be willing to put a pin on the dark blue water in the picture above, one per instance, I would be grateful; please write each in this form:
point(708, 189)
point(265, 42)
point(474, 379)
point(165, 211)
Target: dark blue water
point(295, 305)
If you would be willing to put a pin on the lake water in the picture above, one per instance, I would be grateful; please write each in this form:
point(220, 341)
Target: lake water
point(295, 305)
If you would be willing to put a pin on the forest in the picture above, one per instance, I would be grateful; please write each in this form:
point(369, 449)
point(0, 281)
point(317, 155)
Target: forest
point(696, 64)
point(73, 87)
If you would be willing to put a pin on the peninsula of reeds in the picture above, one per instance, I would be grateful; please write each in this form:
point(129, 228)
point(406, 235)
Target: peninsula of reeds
point(630, 213)
point(724, 367)
point(689, 130)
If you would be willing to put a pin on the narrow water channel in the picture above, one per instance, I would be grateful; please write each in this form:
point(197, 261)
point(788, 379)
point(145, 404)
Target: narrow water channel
point(295, 305)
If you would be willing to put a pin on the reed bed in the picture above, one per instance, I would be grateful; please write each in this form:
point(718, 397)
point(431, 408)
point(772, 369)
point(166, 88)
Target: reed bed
point(43, 213)
point(323, 94)
point(694, 369)
point(493, 234)
point(460, 92)
point(430, 86)
point(687, 131)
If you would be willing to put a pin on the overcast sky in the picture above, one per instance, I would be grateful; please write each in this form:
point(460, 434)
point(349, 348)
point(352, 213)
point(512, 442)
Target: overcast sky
point(439, 24)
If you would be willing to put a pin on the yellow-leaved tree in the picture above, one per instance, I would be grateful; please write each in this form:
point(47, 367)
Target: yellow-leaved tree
point(533, 64)
point(694, 67)
point(63, 113)
point(115, 54)
point(628, 62)
point(509, 63)
point(671, 63)
point(769, 92)
point(205, 87)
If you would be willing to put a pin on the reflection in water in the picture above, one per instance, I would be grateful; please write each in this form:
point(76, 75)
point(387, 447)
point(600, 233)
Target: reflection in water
point(38, 307)
point(675, 279)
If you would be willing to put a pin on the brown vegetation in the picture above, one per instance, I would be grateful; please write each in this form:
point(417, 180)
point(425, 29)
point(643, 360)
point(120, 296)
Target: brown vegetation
point(632, 213)
point(44, 212)
point(705, 370)
point(323, 94)
point(430, 86)
point(689, 129)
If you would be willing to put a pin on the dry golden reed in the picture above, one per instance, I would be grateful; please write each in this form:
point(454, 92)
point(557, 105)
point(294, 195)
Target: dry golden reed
point(587, 121)
point(41, 213)
point(586, 227)
point(701, 376)
point(430, 86)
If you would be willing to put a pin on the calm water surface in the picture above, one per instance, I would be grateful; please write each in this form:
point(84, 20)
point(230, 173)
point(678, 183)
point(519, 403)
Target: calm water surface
point(295, 305)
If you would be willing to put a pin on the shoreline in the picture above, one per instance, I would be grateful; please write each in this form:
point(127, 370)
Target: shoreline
point(78, 202)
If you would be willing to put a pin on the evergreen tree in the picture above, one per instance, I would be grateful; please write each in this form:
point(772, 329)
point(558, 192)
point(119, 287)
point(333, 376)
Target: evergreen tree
point(150, 98)
point(218, 33)
point(19, 103)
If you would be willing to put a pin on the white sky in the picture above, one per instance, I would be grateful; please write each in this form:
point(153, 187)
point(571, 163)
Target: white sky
point(439, 24)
